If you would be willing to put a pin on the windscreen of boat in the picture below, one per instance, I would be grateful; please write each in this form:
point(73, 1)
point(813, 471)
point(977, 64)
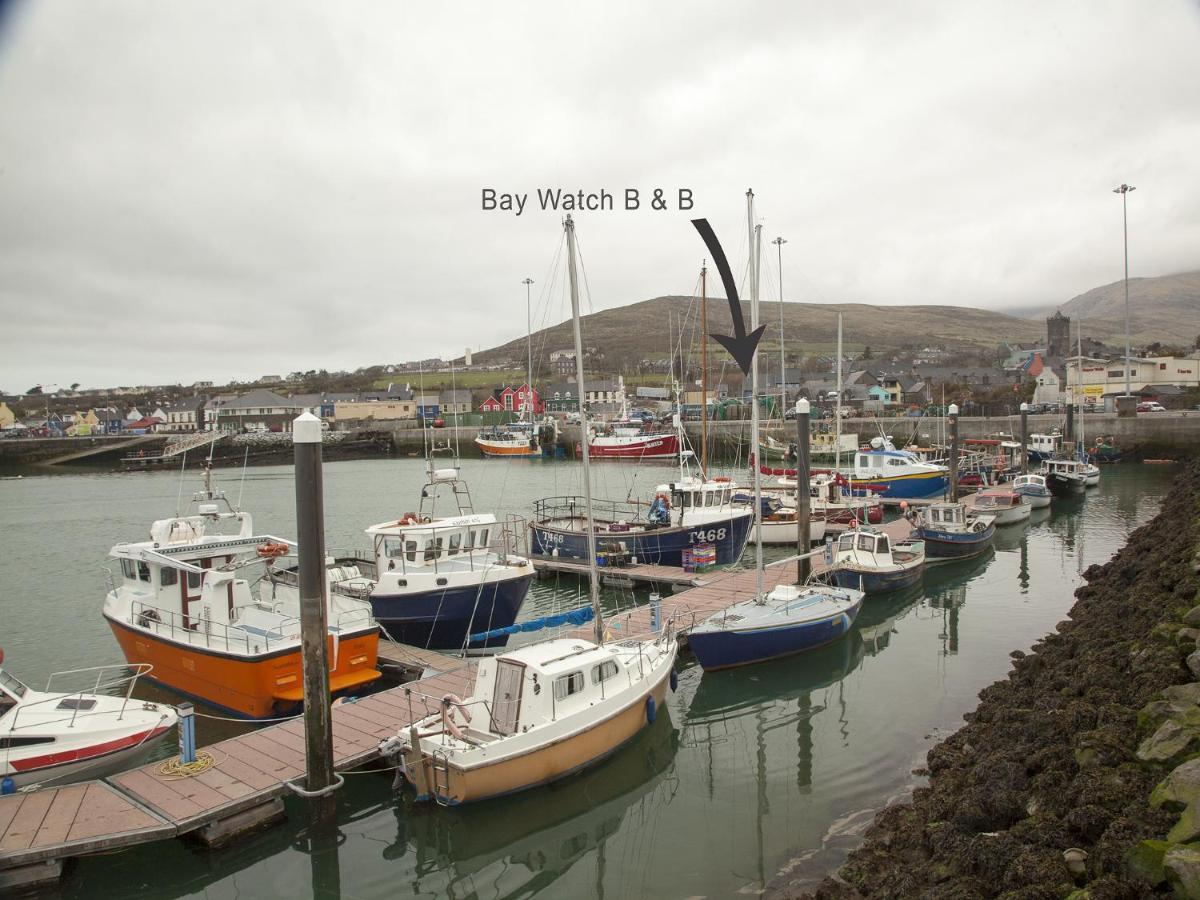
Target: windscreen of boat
point(11, 685)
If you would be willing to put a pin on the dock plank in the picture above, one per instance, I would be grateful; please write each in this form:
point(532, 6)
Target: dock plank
point(61, 816)
point(25, 824)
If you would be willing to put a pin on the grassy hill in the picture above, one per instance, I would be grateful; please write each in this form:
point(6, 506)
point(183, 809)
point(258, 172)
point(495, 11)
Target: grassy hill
point(1165, 308)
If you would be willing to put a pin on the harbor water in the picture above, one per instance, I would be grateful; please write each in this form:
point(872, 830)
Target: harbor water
point(744, 773)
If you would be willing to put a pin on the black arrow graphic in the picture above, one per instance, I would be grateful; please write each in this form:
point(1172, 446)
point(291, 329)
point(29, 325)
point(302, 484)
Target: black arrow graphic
point(741, 346)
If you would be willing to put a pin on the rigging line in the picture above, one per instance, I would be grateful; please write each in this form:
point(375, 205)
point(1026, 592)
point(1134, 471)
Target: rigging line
point(242, 486)
point(179, 498)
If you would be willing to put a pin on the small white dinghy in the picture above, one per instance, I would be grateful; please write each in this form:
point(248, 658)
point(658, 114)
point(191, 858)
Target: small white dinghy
point(56, 737)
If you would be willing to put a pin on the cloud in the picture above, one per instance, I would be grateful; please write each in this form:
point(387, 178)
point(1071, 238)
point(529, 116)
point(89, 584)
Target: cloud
point(191, 191)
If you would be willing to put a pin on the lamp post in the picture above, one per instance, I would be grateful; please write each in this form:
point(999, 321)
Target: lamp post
point(1024, 438)
point(779, 242)
point(1123, 190)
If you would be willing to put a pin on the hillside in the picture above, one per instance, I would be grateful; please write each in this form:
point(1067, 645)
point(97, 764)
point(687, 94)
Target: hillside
point(1166, 309)
point(642, 329)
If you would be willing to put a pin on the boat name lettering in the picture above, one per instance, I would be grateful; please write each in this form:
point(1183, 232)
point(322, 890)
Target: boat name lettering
point(701, 536)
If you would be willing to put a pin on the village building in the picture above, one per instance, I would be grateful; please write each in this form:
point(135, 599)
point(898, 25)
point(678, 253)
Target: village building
point(258, 410)
point(511, 398)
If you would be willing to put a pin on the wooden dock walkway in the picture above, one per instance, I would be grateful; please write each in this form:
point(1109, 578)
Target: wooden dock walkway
point(250, 773)
point(640, 573)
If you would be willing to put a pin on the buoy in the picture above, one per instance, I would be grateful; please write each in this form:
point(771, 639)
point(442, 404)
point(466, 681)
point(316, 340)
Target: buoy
point(651, 712)
point(674, 680)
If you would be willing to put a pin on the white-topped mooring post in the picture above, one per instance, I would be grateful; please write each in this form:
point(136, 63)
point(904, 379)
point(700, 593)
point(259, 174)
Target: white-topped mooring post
point(1024, 438)
point(314, 614)
point(953, 411)
point(803, 499)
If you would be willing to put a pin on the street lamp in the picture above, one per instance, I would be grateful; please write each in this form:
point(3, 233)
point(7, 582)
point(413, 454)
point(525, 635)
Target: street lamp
point(1123, 190)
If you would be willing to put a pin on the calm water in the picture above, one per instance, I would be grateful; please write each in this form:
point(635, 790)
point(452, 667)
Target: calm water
point(746, 772)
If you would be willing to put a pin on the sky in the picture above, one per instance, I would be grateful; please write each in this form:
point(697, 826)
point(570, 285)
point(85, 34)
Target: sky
point(204, 191)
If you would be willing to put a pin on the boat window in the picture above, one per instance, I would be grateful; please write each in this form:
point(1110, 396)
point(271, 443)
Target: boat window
point(863, 462)
point(433, 549)
point(866, 542)
point(410, 551)
point(566, 685)
point(882, 545)
point(127, 569)
point(604, 671)
point(483, 537)
point(455, 543)
point(193, 580)
point(391, 547)
point(11, 685)
point(143, 570)
point(168, 576)
point(846, 542)
point(712, 498)
point(8, 742)
point(895, 462)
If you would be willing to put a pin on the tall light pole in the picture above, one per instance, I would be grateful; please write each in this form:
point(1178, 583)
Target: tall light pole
point(528, 282)
point(1123, 190)
point(779, 242)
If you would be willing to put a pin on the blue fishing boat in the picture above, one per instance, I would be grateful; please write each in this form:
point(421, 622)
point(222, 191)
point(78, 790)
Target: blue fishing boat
point(683, 516)
point(1033, 488)
point(901, 474)
point(1044, 446)
point(949, 534)
point(788, 620)
point(870, 561)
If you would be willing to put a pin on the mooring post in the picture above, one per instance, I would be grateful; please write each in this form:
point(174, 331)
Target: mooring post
point(1024, 438)
point(953, 452)
point(803, 504)
point(187, 733)
point(314, 616)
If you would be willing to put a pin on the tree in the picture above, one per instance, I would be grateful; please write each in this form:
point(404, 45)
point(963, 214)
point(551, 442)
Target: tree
point(866, 352)
point(75, 386)
point(36, 389)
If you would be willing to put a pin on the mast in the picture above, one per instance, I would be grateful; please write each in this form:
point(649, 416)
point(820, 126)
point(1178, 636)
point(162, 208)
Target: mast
point(1081, 452)
point(779, 242)
point(837, 409)
point(593, 575)
point(529, 350)
point(703, 371)
point(755, 259)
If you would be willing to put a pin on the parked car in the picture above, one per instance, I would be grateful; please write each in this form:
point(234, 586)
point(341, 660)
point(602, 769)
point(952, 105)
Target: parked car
point(1150, 406)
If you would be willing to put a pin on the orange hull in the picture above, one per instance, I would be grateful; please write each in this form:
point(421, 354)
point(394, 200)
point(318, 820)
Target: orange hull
point(256, 687)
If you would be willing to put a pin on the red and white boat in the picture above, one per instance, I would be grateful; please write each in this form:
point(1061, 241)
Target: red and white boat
point(56, 737)
point(633, 441)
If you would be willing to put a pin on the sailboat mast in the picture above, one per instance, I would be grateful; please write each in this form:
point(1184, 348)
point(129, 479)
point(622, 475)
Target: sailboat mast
point(755, 259)
point(837, 409)
point(703, 371)
point(1082, 454)
point(593, 575)
point(528, 349)
point(779, 242)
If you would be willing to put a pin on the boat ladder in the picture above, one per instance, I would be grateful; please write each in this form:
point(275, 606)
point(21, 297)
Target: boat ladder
point(439, 764)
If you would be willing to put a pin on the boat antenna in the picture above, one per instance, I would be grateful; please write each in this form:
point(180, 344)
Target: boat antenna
point(755, 261)
point(242, 486)
point(704, 369)
point(593, 574)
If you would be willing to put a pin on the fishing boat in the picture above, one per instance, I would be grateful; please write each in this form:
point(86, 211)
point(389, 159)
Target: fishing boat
point(520, 439)
point(432, 580)
point(779, 524)
point(56, 736)
point(546, 710)
point(1044, 446)
point(633, 440)
point(870, 561)
point(949, 533)
point(1005, 507)
point(831, 498)
point(1033, 488)
point(198, 602)
point(882, 469)
point(1064, 477)
point(1091, 472)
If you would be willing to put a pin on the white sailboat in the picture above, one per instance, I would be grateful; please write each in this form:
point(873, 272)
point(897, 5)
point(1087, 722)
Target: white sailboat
point(548, 709)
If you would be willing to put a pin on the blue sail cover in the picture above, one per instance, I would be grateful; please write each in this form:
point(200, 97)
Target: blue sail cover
point(580, 616)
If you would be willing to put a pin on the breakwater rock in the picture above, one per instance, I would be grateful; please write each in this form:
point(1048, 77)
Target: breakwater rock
point(1079, 775)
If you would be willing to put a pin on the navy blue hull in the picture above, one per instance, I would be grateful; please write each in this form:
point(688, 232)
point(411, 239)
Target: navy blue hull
point(726, 649)
point(878, 582)
point(955, 545)
point(442, 619)
point(659, 546)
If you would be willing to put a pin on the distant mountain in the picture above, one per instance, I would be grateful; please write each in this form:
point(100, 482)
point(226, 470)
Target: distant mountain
point(1165, 308)
point(643, 329)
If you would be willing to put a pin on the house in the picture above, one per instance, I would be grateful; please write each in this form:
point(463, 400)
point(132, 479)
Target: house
point(563, 362)
point(133, 414)
point(561, 398)
point(259, 410)
point(144, 425)
point(919, 394)
point(895, 384)
point(428, 406)
point(652, 393)
point(513, 399)
point(363, 409)
point(187, 415)
point(7, 417)
point(1098, 377)
point(455, 402)
point(201, 385)
point(605, 391)
point(1048, 386)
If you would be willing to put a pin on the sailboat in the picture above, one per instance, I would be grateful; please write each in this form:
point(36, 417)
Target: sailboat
point(1091, 471)
point(791, 618)
point(519, 438)
point(546, 710)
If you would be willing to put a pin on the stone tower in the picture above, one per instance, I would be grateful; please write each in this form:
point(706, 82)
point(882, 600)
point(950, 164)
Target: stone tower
point(1058, 335)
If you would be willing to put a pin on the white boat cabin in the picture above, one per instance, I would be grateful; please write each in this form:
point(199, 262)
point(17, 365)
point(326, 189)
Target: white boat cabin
point(1071, 468)
point(998, 500)
point(874, 549)
point(945, 516)
point(1045, 444)
point(415, 546)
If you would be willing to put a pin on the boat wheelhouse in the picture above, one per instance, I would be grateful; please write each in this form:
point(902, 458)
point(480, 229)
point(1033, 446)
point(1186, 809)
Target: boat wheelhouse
point(1064, 477)
point(1044, 446)
point(198, 603)
point(1005, 506)
point(948, 533)
point(1033, 488)
point(58, 735)
point(684, 514)
point(898, 474)
point(872, 562)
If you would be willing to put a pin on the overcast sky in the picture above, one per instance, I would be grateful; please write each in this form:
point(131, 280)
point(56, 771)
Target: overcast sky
point(197, 190)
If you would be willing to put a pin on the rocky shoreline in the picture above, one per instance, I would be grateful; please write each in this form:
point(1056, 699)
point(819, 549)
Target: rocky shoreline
point(1079, 775)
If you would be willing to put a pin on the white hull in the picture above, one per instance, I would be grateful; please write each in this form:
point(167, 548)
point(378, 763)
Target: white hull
point(784, 533)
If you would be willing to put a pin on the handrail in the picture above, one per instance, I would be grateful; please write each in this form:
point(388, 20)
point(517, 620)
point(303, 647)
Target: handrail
point(140, 669)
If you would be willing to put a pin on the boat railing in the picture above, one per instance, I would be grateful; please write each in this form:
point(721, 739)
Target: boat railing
point(572, 507)
point(197, 631)
point(75, 699)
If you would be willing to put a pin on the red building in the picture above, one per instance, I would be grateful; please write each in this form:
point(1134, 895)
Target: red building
point(513, 399)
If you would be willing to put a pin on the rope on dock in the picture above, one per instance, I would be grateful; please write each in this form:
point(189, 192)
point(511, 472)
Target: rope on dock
point(173, 768)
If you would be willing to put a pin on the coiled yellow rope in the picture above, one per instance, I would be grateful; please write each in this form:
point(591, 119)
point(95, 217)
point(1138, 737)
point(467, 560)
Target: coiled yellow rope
point(173, 768)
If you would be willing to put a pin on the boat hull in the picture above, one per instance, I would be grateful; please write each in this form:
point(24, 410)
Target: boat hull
point(658, 546)
point(252, 687)
point(784, 533)
point(88, 763)
point(647, 447)
point(1036, 500)
point(510, 450)
point(1008, 515)
point(941, 544)
point(917, 486)
point(443, 619)
point(876, 582)
point(1065, 487)
point(549, 763)
point(729, 648)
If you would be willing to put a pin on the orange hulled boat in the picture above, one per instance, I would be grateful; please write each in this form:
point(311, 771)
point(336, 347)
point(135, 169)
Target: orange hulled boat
point(193, 603)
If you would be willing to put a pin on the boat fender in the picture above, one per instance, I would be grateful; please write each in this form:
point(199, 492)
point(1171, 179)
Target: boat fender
point(651, 712)
point(978, 526)
point(674, 680)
